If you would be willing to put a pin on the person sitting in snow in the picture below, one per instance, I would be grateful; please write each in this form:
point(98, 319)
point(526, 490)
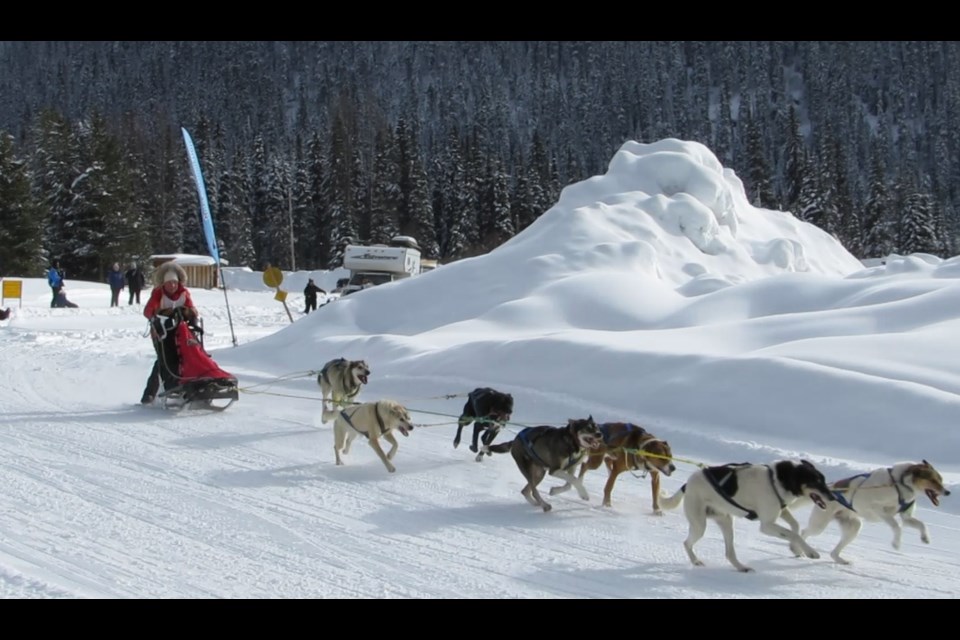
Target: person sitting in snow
point(170, 297)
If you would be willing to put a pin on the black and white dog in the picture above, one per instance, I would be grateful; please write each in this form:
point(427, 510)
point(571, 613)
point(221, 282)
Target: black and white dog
point(753, 491)
point(554, 450)
point(488, 410)
point(879, 495)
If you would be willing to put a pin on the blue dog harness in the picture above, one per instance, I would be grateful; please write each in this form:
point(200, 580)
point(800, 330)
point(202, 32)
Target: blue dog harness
point(524, 438)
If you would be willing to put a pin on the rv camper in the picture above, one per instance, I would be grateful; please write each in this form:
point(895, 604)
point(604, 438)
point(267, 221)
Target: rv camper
point(377, 264)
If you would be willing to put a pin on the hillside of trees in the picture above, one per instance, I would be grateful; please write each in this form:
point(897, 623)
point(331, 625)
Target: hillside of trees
point(459, 144)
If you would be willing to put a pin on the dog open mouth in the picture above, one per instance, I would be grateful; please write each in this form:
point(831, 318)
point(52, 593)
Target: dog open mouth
point(590, 442)
point(363, 378)
point(934, 498)
point(817, 500)
point(405, 429)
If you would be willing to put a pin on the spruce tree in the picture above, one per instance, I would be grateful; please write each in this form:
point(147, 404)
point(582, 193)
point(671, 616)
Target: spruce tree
point(21, 222)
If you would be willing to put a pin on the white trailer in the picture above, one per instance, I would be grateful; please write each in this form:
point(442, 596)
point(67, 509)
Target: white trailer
point(377, 264)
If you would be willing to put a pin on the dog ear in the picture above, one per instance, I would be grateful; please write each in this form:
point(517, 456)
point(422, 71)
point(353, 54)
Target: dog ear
point(807, 463)
point(927, 463)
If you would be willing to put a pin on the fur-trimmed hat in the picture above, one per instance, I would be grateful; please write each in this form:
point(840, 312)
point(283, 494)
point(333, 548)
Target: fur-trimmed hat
point(160, 275)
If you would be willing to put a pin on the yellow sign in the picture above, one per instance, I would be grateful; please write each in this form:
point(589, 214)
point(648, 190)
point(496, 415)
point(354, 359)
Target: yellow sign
point(281, 296)
point(13, 289)
point(272, 277)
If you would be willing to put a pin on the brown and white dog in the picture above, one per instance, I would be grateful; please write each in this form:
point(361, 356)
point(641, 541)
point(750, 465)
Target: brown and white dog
point(879, 495)
point(373, 420)
point(628, 447)
point(340, 381)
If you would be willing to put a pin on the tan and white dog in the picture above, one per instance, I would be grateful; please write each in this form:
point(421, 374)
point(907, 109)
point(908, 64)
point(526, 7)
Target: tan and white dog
point(340, 381)
point(880, 495)
point(373, 420)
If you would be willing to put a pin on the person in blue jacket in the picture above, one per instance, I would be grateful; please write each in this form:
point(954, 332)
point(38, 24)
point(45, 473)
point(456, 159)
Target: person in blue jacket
point(55, 280)
point(116, 281)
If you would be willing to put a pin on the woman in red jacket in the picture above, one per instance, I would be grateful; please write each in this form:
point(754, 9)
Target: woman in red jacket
point(170, 297)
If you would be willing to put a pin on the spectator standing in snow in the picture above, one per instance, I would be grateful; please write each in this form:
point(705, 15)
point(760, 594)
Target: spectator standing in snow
point(310, 293)
point(135, 281)
point(55, 280)
point(115, 280)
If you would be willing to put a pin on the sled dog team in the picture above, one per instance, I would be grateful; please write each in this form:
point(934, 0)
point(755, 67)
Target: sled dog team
point(761, 492)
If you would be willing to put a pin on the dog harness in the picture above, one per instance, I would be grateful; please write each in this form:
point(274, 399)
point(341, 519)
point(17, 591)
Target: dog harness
point(524, 438)
point(721, 477)
point(904, 505)
point(376, 412)
point(842, 486)
point(605, 430)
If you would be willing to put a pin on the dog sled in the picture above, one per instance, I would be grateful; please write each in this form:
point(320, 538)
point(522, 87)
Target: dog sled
point(202, 384)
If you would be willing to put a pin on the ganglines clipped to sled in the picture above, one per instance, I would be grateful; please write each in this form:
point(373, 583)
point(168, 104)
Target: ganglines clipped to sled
point(201, 383)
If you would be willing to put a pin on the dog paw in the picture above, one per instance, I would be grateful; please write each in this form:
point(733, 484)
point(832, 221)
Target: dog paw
point(840, 560)
point(456, 443)
point(392, 469)
point(473, 448)
point(745, 569)
point(813, 554)
point(658, 512)
point(479, 457)
point(925, 539)
point(547, 508)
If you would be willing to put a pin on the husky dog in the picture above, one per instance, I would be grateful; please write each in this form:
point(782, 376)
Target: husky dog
point(340, 381)
point(557, 450)
point(373, 420)
point(627, 446)
point(879, 495)
point(488, 410)
point(752, 491)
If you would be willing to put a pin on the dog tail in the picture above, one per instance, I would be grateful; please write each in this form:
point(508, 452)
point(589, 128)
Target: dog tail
point(672, 502)
point(503, 447)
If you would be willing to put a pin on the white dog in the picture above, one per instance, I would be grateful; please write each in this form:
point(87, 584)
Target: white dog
point(373, 420)
point(340, 381)
point(752, 491)
point(879, 495)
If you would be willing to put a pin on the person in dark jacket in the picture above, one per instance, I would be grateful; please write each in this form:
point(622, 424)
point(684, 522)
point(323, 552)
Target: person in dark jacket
point(115, 280)
point(310, 293)
point(135, 281)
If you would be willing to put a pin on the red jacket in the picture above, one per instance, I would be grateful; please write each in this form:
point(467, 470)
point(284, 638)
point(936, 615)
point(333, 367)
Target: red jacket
point(159, 299)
